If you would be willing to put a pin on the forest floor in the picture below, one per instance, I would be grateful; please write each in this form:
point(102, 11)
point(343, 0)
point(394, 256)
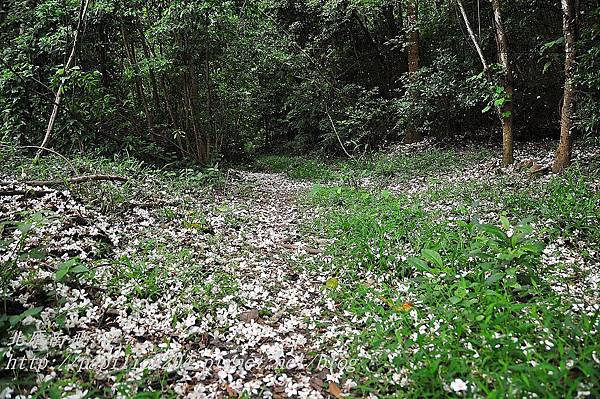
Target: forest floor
point(421, 272)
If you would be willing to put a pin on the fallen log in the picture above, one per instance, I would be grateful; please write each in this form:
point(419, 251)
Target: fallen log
point(26, 193)
point(72, 180)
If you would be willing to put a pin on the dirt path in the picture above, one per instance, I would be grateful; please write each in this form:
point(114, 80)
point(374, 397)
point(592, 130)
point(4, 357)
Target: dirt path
point(279, 327)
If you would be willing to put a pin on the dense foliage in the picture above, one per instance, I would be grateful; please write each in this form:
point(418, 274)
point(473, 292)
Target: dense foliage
point(197, 80)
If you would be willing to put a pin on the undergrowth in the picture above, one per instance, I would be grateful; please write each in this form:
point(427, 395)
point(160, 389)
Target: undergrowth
point(461, 293)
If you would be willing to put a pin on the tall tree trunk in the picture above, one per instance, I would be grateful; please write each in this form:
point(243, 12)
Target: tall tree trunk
point(70, 63)
point(506, 109)
point(412, 134)
point(563, 154)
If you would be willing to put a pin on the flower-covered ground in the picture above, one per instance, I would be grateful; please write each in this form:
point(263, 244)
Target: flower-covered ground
point(423, 272)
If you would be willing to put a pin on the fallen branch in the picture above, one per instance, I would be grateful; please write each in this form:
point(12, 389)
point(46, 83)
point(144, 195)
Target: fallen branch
point(72, 180)
point(26, 193)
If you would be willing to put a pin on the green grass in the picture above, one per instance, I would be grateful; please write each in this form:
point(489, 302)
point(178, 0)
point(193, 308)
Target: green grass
point(483, 308)
point(430, 162)
point(297, 167)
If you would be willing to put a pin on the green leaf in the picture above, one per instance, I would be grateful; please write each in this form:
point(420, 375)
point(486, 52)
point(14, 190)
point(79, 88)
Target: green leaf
point(62, 271)
point(433, 257)
point(494, 278)
point(24, 227)
point(495, 231)
point(508, 256)
point(417, 263)
point(80, 269)
point(20, 317)
point(64, 268)
point(486, 109)
point(461, 292)
point(36, 253)
point(31, 312)
point(54, 392)
point(546, 66)
point(454, 300)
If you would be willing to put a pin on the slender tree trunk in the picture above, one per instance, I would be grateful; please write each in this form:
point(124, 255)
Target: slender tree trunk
point(563, 154)
point(105, 79)
point(412, 134)
point(506, 110)
point(131, 57)
point(192, 89)
point(70, 63)
point(209, 107)
point(173, 114)
point(149, 54)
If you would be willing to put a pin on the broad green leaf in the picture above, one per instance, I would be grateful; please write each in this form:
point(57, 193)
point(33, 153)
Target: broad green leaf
point(64, 268)
point(36, 253)
point(61, 272)
point(80, 269)
point(461, 292)
point(31, 312)
point(418, 263)
point(24, 227)
point(433, 257)
point(495, 231)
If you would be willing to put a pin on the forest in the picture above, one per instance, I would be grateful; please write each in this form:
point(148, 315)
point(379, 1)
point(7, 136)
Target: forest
point(299, 199)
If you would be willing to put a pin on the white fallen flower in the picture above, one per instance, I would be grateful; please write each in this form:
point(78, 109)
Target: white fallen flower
point(458, 385)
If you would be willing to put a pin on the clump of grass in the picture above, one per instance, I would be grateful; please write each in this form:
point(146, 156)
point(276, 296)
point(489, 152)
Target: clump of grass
point(300, 168)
